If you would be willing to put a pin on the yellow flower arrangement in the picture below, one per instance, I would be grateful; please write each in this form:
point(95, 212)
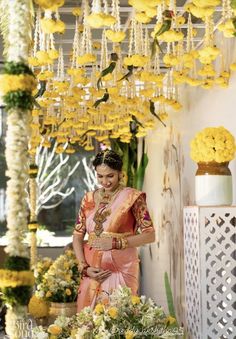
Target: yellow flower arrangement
point(21, 82)
point(61, 280)
point(213, 144)
point(16, 278)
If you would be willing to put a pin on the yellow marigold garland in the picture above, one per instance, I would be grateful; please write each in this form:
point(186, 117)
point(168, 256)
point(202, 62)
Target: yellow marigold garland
point(16, 278)
point(21, 82)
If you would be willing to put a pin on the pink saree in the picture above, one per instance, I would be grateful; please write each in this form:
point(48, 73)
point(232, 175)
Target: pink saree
point(124, 219)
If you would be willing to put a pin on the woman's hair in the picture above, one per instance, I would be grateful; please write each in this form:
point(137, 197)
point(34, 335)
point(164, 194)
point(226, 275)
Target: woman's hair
point(109, 158)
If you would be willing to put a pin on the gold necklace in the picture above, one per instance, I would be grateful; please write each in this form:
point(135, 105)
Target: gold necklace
point(103, 212)
point(106, 197)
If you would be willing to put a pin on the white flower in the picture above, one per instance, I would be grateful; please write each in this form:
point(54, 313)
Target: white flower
point(38, 333)
point(81, 332)
point(62, 321)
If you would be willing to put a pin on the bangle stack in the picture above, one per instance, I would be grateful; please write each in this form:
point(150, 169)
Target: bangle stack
point(119, 243)
point(82, 268)
point(84, 271)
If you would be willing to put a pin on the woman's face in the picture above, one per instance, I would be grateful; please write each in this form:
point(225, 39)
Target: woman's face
point(107, 177)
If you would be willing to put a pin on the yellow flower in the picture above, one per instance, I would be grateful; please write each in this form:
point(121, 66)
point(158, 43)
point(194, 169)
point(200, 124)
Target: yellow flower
point(86, 59)
point(136, 60)
point(16, 278)
point(113, 312)
point(180, 20)
point(97, 20)
point(199, 12)
point(76, 11)
point(43, 57)
point(68, 291)
point(170, 320)
point(115, 36)
point(206, 3)
point(142, 17)
point(33, 61)
point(99, 308)
point(129, 334)
point(48, 294)
point(135, 300)
point(54, 329)
point(213, 143)
point(21, 82)
point(53, 54)
point(96, 45)
point(233, 67)
point(50, 4)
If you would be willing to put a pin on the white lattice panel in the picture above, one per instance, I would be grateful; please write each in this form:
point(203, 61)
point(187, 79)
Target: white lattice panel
point(192, 276)
point(210, 260)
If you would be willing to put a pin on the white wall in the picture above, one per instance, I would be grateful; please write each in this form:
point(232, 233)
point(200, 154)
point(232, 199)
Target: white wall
point(201, 108)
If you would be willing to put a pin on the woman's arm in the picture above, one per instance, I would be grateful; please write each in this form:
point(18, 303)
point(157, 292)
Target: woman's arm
point(78, 240)
point(141, 239)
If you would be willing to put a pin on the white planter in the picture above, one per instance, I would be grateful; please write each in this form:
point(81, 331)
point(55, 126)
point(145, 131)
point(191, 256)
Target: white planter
point(213, 190)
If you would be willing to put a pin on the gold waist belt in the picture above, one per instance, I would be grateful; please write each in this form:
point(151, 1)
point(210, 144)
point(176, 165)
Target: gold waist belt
point(93, 236)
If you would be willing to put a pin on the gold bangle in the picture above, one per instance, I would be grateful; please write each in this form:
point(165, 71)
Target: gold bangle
point(82, 265)
point(124, 243)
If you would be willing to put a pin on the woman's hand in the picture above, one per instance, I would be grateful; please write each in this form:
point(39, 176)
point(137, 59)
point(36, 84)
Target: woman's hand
point(98, 274)
point(104, 244)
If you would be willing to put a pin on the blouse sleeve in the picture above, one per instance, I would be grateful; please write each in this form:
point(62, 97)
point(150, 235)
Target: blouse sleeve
point(142, 216)
point(80, 226)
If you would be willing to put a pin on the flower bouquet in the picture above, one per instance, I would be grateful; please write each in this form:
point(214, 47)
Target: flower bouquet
point(212, 149)
point(123, 316)
point(60, 282)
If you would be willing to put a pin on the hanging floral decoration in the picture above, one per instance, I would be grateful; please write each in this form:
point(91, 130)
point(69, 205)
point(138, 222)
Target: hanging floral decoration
point(99, 98)
point(16, 86)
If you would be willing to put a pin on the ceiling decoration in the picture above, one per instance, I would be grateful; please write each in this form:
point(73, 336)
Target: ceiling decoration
point(113, 69)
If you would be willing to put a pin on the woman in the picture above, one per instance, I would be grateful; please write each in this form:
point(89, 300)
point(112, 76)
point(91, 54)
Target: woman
point(117, 222)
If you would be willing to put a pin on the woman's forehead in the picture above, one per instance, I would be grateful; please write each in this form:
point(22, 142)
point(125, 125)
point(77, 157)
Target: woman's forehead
point(105, 170)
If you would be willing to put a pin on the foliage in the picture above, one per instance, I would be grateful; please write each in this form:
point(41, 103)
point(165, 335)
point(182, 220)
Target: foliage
point(169, 296)
point(18, 99)
point(128, 152)
point(12, 67)
point(19, 295)
point(16, 263)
